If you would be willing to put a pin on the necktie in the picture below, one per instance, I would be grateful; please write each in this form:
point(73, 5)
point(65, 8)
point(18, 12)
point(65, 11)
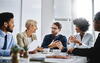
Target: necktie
point(5, 43)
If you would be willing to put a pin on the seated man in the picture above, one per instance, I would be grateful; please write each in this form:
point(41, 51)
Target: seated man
point(55, 39)
point(6, 38)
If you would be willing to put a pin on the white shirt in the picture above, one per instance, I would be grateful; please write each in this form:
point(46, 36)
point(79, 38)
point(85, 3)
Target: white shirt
point(10, 40)
point(87, 41)
point(29, 40)
point(10, 43)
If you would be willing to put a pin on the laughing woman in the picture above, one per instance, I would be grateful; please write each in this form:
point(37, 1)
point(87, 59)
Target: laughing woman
point(82, 39)
point(28, 36)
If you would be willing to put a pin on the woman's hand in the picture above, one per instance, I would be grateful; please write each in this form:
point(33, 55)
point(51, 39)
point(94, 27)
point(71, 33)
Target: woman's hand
point(39, 49)
point(73, 39)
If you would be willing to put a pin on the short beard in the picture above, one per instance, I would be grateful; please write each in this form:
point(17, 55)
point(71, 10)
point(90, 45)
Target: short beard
point(9, 30)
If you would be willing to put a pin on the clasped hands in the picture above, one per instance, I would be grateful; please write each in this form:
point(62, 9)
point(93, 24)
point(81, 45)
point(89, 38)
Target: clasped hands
point(73, 39)
point(55, 44)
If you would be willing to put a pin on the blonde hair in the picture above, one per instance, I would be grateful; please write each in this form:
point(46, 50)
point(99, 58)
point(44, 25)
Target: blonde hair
point(30, 22)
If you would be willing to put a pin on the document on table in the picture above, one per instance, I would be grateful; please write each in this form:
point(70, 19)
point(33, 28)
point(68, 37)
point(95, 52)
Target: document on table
point(32, 46)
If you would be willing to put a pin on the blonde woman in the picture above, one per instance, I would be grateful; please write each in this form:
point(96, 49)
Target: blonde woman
point(28, 36)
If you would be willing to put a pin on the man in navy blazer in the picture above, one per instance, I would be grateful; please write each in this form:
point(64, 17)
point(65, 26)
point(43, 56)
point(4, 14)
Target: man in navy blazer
point(93, 53)
point(55, 39)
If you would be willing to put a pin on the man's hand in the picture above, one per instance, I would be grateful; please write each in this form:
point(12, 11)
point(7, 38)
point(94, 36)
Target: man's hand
point(70, 50)
point(57, 44)
point(52, 45)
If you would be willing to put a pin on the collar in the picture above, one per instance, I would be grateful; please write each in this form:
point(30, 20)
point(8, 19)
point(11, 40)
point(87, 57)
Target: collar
point(26, 34)
point(57, 34)
point(2, 33)
point(83, 35)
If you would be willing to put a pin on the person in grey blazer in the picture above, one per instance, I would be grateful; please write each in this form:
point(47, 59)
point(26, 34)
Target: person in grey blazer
point(26, 37)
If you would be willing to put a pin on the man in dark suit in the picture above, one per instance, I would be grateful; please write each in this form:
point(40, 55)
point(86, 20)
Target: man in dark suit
point(55, 39)
point(93, 54)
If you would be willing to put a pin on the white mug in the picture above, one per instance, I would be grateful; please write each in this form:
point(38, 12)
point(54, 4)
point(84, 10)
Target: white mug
point(46, 50)
point(56, 51)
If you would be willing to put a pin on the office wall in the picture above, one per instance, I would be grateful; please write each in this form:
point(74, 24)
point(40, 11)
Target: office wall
point(45, 12)
point(14, 7)
point(31, 9)
point(47, 16)
point(63, 14)
point(52, 9)
point(23, 10)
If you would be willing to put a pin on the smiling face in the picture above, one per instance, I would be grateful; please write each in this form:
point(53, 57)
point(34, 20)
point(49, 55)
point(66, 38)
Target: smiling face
point(32, 28)
point(9, 25)
point(77, 29)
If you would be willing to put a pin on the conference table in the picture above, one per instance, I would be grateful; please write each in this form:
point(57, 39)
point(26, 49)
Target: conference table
point(42, 58)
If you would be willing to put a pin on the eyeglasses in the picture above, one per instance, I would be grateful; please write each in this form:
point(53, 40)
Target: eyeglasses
point(53, 28)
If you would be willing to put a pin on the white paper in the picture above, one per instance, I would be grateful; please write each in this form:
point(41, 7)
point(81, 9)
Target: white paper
point(32, 46)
